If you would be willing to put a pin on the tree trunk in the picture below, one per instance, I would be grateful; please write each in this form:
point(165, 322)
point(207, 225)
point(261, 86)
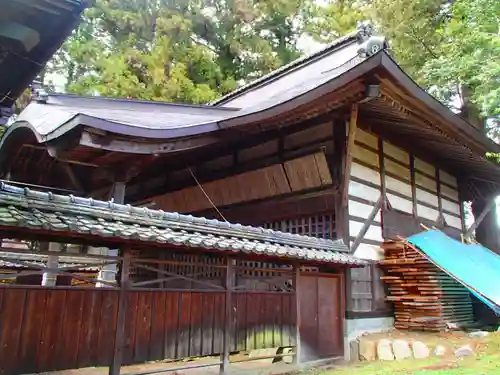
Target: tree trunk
point(470, 112)
point(487, 233)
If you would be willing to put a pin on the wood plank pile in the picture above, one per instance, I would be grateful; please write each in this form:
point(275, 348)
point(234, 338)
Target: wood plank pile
point(425, 298)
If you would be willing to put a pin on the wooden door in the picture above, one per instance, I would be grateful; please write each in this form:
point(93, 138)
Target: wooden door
point(321, 316)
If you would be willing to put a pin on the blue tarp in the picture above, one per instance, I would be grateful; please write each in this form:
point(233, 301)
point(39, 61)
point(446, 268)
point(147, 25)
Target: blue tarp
point(474, 266)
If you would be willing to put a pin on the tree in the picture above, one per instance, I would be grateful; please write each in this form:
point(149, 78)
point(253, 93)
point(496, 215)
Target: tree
point(180, 51)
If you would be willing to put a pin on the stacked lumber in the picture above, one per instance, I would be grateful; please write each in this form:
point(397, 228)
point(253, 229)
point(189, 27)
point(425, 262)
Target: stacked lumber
point(424, 297)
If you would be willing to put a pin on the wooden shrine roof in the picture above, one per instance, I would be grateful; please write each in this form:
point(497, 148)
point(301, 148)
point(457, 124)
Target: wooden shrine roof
point(31, 32)
point(106, 134)
point(23, 210)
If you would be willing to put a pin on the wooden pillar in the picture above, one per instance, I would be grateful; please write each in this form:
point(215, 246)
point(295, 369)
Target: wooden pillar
point(296, 332)
point(228, 307)
point(486, 223)
point(108, 272)
point(114, 368)
point(49, 278)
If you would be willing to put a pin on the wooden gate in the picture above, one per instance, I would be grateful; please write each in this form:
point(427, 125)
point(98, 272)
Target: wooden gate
point(321, 316)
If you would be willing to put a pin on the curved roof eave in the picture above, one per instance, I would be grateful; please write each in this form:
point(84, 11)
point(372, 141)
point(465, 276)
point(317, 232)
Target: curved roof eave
point(249, 116)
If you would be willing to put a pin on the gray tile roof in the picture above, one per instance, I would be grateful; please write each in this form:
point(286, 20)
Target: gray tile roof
point(26, 208)
point(165, 120)
point(80, 264)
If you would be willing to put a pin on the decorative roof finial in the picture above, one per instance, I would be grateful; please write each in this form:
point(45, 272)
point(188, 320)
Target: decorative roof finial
point(365, 30)
point(369, 43)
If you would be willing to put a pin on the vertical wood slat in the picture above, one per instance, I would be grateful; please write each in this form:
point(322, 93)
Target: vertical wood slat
point(413, 186)
point(11, 315)
point(32, 329)
point(158, 317)
point(440, 199)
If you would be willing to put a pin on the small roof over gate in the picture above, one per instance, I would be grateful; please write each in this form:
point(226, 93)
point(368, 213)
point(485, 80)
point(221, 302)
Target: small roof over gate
point(23, 210)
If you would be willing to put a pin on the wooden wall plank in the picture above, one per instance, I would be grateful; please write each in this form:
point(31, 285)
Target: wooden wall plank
point(87, 354)
point(366, 156)
point(196, 324)
point(172, 302)
point(427, 213)
point(448, 178)
point(157, 341)
point(367, 139)
point(396, 153)
point(362, 210)
point(449, 193)
point(453, 221)
point(365, 173)
point(11, 318)
point(373, 233)
point(323, 169)
point(426, 197)
point(398, 186)
point(51, 332)
point(143, 327)
point(71, 326)
point(426, 182)
point(34, 312)
point(359, 190)
point(130, 327)
point(219, 303)
point(397, 169)
point(184, 324)
point(400, 204)
point(241, 321)
point(450, 206)
point(422, 166)
point(208, 324)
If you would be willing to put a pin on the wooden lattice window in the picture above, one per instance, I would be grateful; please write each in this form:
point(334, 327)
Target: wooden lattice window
point(322, 226)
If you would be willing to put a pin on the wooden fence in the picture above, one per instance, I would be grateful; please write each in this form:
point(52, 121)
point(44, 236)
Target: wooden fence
point(46, 329)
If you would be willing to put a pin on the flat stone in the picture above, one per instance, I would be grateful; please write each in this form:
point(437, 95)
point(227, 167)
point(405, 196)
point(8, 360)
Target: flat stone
point(287, 358)
point(384, 350)
point(367, 350)
point(268, 352)
point(401, 349)
point(464, 351)
point(478, 334)
point(420, 350)
point(440, 350)
point(354, 350)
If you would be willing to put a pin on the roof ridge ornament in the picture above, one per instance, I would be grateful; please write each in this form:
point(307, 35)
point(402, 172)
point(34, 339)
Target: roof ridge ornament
point(370, 44)
point(38, 93)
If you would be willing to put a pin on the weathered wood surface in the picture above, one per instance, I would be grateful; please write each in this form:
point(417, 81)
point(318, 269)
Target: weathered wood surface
point(47, 329)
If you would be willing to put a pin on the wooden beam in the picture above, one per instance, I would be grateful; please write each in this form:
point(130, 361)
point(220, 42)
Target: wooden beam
point(228, 313)
point(296, 331)
point(413, 186)
point(382, 173)
point(479, 220)
point(440, 201)
point(367, 224)
point(75, 181)
point(114, 368)
point(353, 124)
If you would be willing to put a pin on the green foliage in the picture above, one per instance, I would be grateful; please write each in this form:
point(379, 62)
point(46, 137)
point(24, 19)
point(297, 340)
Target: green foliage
point(180, 51)
point(194, 51)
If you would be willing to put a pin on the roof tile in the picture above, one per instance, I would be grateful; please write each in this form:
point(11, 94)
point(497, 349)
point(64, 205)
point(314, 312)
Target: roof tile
point(34, 209)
